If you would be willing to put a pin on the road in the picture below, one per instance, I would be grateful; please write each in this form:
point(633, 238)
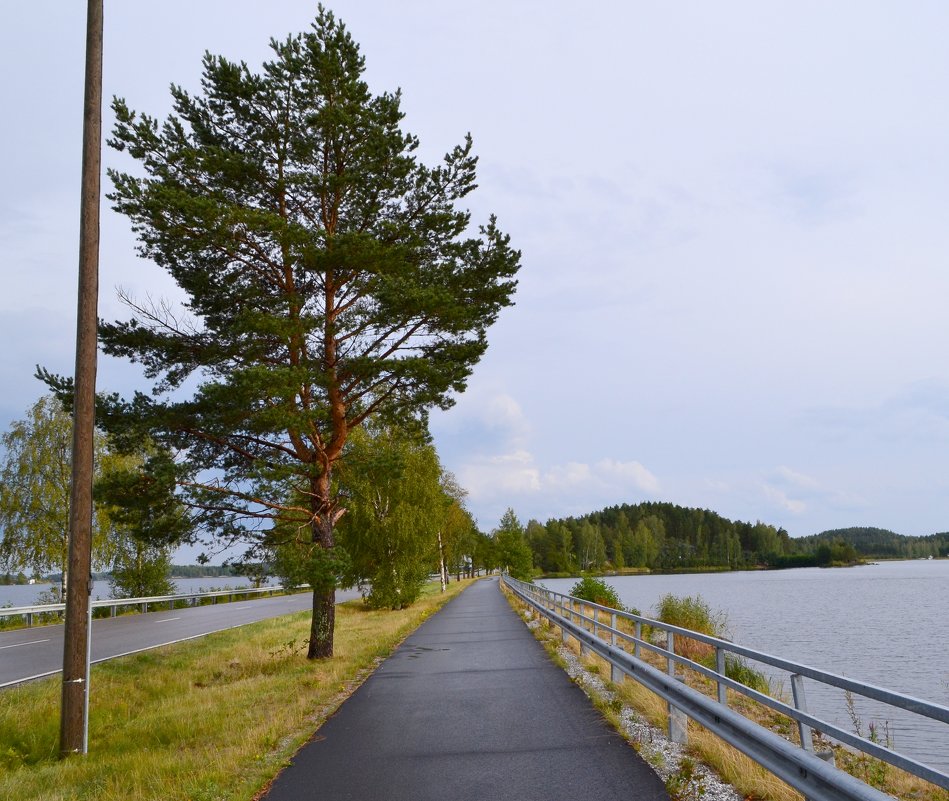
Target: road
point(471, 708)
point(36, 652)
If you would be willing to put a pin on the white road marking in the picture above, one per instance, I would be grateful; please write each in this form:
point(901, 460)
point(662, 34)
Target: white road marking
point(17, 645)
point(168, 619)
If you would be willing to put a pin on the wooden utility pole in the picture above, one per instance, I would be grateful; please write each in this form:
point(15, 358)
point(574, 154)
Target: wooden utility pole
point(73, 718)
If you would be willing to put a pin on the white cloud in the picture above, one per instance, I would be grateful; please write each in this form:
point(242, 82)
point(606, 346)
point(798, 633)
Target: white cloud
point(503, 411)
point(792, 477)
point(629, 473)
point(515, 479)
point(780, 498)
point(569, 475)
point(503, 475)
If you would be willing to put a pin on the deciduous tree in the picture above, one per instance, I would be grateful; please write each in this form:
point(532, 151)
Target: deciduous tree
point(395, 508)
point(34, 493)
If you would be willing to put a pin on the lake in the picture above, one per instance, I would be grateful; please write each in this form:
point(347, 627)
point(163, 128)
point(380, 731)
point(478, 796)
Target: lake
point(28, 594)
point(884, 624)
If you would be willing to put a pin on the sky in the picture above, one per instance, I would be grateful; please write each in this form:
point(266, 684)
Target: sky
point(732, 218)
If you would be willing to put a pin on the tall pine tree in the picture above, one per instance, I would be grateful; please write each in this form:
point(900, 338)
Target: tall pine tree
point(330, 277)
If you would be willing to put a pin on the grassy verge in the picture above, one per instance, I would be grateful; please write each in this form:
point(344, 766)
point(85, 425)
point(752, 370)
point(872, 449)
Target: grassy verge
point(209, 720)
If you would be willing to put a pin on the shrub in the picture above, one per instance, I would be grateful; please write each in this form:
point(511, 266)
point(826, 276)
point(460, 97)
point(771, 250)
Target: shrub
point(691, 612)
point(597, 591)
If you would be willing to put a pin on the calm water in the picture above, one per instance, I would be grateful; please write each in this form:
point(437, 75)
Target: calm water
point(885, 624)
point(27, 594)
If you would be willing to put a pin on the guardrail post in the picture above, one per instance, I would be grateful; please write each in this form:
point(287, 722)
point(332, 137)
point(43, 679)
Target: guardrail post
point(617, 676)
point(638, 634)
point(670, 647)
point(584, 649)
point(29, 620)
point(678, 720)
point(113, 610)
point(800, 704)
point(720, 669)
point(563, 613)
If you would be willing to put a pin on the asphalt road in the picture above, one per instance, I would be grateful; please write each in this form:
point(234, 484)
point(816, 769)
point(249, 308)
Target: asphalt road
point(36, 652)
point(469, 707)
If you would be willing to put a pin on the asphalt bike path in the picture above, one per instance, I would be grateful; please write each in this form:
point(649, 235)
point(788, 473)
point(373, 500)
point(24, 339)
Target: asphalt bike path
point(470, 706)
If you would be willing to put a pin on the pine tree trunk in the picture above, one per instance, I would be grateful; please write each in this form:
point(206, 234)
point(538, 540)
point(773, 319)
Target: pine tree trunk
point(321, 626)
point(324, 598)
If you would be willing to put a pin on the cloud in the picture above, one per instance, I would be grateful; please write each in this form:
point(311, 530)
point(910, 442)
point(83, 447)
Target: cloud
point(792, 477)
point(515, 480)
point(918, 412)
point(630, 473)
point(782, 500)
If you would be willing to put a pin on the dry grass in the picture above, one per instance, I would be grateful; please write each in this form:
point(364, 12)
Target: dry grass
point(210, 719)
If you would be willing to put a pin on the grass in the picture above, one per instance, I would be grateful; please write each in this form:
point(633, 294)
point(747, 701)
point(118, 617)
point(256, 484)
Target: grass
point(209, 720)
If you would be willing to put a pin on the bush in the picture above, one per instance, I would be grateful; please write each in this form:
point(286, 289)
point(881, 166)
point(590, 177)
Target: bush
point(691, 612)
point(597, 591)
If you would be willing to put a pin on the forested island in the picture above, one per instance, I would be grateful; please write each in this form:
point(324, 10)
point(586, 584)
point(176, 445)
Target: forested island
point(663, 536)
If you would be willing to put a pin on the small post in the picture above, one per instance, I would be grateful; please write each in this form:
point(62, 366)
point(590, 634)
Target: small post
point(670, 647)
point(800, 704)
point(678, 721)
point(584, 649)
point(720, 669)
point(613, 626)
point(638, 634)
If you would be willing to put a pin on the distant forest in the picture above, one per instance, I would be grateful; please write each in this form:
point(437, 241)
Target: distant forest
point(202, 571)
point(663, 536)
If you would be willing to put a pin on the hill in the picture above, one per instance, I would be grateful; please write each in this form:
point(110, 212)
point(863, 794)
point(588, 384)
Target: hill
point(879, 543)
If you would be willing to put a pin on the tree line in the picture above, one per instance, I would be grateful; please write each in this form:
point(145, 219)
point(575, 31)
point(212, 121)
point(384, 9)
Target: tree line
point(664, 536)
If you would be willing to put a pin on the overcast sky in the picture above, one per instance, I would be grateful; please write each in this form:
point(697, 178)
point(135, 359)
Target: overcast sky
point(734, 220)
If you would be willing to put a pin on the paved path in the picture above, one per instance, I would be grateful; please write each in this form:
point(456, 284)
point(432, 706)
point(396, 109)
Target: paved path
point(38, 651)
point(469, 707)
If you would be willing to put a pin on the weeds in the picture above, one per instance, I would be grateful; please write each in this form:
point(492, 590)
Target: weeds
point(873, 771)
point(685, 784)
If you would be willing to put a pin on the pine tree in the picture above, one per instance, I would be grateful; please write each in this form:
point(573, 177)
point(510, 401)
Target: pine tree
point(329, 278)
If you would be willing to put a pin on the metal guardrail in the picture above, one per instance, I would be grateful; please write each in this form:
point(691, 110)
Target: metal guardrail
point(143, 603)
point(799, 767)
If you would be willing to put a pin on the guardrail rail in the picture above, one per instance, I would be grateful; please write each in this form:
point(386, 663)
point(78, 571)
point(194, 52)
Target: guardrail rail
point(114, 604)
point(799, 766)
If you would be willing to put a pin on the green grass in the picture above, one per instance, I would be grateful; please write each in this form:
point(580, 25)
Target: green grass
point(210, 720)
